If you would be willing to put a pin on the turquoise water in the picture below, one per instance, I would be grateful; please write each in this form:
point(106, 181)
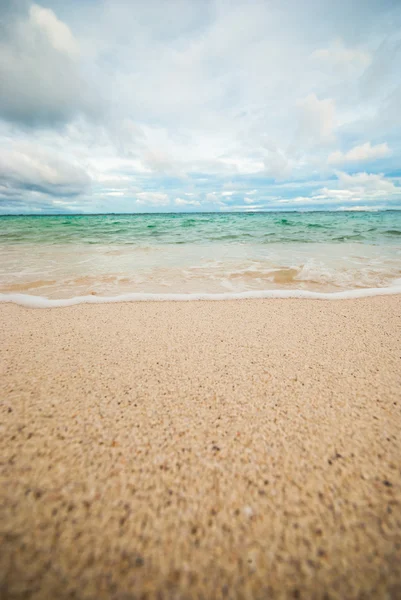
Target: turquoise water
point(108, 255)
point(261, 228)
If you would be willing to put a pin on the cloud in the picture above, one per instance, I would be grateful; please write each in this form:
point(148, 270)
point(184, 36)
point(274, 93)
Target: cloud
point(379, 78)
point(245, 207)
point(364, 188)
point(338, 56)
point(359, 187)
point(316, 119)
point(361, 153)
point(25, 167)
point(230, 97)
point(182, 202)
point(59, 35)
point(42, 79)
point(369, 183)
point(363, 208)
point(152, 198)
point(277, 165)
point(214, 198)
point(354, 189)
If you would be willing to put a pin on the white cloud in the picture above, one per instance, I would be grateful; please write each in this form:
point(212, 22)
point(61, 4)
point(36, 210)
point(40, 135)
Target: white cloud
point(360, 153)
point(242, 165)
point(214, 198)
point(115, 193)
point(27, 167)
point(152, 198)
point(244, 207)
point(41, 78)
point(362, 208)
point(183, 202)
point(361, 187)
point(277, 165)
point(227, 97)
point(368, 182)
point(58, 32)
point(317, 118)
point(337, 55)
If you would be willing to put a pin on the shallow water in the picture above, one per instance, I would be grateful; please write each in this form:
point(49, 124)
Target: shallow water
point(109, 255)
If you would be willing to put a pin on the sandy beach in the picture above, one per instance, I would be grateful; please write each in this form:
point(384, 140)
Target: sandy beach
point(238, 449)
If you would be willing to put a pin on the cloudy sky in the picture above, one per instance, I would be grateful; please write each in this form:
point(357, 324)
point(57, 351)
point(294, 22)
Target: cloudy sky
point(181, 105)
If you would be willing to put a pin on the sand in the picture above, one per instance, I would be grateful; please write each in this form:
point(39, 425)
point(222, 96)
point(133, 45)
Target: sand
point(238, 449)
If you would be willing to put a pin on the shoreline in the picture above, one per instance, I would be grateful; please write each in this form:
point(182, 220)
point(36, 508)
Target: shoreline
point(33, 301)
point(202, 450)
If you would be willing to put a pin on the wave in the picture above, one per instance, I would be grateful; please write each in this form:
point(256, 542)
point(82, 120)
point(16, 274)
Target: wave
point(42, 302)
point(316, 226)
point(392, 231)
point(347, 237)
point(285, 222)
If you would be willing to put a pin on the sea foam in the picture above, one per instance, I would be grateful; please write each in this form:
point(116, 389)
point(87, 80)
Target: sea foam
point(42, 302)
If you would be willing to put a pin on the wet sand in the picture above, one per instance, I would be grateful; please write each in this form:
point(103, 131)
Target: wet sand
point(237, 449)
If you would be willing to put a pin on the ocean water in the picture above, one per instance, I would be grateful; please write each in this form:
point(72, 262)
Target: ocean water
point(199, 255)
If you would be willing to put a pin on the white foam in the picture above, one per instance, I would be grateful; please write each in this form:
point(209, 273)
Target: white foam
point(41, 302)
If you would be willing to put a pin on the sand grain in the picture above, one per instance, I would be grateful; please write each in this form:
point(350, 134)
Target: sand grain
point(239, 449)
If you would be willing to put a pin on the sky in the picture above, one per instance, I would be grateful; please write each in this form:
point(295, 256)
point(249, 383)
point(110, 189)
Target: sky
point(199, 105)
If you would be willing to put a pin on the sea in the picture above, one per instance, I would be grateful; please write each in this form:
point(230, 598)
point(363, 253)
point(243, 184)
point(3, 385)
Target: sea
point(51, 260)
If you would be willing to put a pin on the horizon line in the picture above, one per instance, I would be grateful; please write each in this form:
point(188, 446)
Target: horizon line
point(205, 212)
